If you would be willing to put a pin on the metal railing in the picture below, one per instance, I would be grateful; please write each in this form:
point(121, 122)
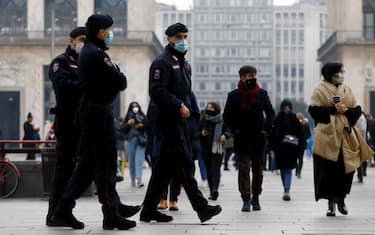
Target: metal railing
point(345, 37)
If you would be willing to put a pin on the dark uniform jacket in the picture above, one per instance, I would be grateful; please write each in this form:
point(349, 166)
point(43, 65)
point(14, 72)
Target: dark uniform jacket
point(101, 80)
point(169, 88)
point(170, 85)
point(63, 72)
point(247, 126)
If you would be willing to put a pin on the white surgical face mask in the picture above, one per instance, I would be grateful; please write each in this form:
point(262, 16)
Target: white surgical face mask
point(135, 110)
point(78, 47)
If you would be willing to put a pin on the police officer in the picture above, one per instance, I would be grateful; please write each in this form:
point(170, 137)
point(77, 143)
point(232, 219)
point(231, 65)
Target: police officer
point(100, 83)
point(170, 90)
point(63, 73)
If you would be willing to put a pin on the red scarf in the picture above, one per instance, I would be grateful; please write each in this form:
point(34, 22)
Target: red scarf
point(250, 96)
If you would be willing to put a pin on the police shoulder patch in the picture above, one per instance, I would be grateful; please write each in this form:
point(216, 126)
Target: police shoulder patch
point(55, 67)
point(157, 74)
point(108, 61)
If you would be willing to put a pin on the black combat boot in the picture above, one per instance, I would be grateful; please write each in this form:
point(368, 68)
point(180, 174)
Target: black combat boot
point(331, 208)
point(208, 212)
point(341, 206)
point(147, 216)
point(112, 219)
point(127, 210)
point(246, 206)
point(66, 219)
point(255, 203)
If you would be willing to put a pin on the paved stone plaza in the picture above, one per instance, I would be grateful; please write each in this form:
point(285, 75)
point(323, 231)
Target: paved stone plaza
point(302, 215)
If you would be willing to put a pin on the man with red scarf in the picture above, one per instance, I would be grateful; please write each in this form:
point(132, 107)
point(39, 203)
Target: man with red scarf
point(244, 115)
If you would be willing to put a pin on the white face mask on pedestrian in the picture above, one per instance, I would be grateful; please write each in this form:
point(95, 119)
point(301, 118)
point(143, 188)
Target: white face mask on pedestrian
point(79, 47)
point(135, 110)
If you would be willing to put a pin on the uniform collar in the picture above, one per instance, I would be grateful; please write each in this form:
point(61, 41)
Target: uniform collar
point(97, 42)
point(71, 53)
point(178, 56)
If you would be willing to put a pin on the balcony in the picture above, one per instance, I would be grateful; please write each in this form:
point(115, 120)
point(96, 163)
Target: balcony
point(22, 37)
point(348, 38)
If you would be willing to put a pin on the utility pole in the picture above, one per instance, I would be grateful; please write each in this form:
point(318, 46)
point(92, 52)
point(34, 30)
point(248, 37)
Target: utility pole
point(52, 29)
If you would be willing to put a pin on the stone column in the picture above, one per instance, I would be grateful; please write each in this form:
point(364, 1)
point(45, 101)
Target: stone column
point(35, 19)
point(84, 10)
point(141, 17)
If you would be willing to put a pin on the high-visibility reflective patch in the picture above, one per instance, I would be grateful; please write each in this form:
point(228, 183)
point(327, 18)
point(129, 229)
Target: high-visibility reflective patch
point(55, 67)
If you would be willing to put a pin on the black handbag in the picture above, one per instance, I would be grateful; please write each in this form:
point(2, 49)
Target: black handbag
point(290, 140)
point(142, 140)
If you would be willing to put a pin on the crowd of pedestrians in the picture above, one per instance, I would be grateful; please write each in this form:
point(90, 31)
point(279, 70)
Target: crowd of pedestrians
point(174, 133)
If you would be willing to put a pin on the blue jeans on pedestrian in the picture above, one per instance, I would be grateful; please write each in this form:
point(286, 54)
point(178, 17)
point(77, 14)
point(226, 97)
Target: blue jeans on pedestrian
point(136, 156)
point(202, 166)
point(286, 178)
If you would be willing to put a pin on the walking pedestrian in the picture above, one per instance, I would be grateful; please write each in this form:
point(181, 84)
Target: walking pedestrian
point(249, 115)
point(338, 148)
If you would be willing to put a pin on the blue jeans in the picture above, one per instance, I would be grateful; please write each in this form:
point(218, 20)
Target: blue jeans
point(202, 166)
point(286, 178)
point(136, 156)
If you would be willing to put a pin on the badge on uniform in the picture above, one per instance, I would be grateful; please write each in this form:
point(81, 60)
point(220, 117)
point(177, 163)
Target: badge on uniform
point(176, 66)
point(108, 62)
point(157, 74)
point(55, 67)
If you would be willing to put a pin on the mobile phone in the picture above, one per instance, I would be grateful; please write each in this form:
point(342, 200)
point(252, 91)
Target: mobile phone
point(336, 99)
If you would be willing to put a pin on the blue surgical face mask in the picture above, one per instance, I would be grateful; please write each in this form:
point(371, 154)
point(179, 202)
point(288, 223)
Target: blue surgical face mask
point(109, 39)
point(181, 45)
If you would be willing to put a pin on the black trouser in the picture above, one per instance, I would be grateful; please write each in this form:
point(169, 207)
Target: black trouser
point(98, 160)
point(300, 161)
point(172, 159)
point(255, 162)
point(174, 189)
point(361, 171)
point(228, 153)
point(67, 139)
point(213, 165)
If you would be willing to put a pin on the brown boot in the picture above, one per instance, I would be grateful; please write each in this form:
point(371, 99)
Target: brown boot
point(173, 206)
point(162, 204)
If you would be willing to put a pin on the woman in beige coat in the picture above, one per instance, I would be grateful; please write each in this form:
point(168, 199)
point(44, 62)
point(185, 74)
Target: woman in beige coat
point(338, 147)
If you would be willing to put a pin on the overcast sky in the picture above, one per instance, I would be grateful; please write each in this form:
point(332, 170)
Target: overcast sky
point(184, 4)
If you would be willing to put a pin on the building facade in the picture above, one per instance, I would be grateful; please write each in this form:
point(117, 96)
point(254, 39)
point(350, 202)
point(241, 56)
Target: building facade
point(299, 30)
point(351, 26)
point(27, 46)
point(227, 35)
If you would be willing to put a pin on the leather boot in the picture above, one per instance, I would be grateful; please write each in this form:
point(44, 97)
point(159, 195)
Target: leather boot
point(331, 208)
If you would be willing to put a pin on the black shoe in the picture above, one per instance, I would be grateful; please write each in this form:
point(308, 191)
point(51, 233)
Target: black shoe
point(65, 220)
point(341, 206)
point(119, 178)
point(127, 210)
point(255, 203)
point(246, 206)
point(286, 196)
point(118, 222)
point(155, 216)
point(331, 208)
point(214, 196)
point(208, 212)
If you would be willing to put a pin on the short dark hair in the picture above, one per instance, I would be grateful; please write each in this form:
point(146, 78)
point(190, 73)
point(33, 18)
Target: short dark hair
point(247, 69)
point(216, 107)
point(329, 69)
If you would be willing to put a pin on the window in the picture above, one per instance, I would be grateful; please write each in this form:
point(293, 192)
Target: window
point(301, 87)
point(286, 70)
point(189, 19)
point(301, 72)
point(217, 86)
point(369, 26)
point(286, 36)
point(286, 19)
point(65, 15)
point(293, 36)
point(286, 87)
point(202, 86)
point(293, 70)
point(278, 71)
point(278, 87)
point(115, 8)
point(278, 37)
point(301, 36)
point(165, 20)
point(265, 52)
point(13, 17)
point(181, 18)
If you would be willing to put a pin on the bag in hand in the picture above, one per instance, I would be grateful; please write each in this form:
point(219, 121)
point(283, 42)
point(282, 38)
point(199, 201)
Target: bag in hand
point(290, 140)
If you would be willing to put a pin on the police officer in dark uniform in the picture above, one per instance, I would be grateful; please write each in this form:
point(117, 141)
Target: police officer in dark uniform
point(170, 90)
point(100, 83)
point(63, 73)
